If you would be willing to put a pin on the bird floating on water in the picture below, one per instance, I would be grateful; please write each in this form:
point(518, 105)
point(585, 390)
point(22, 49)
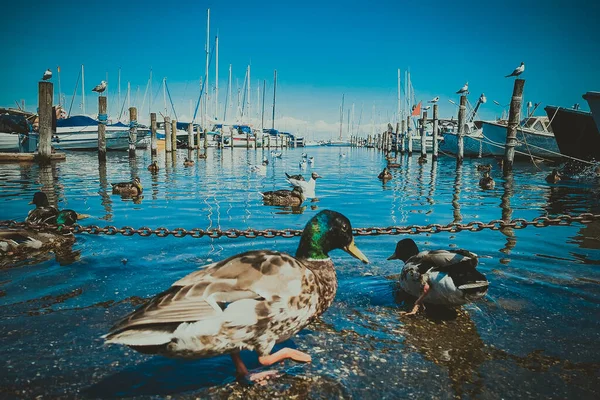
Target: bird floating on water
point(250, 301)
point(284, 197)
point(434, 100)
point(47, 75)
point(188, 163)
point(298, 177)
point(487, 182)
point(554, 177)
point(133, 188)
point(44, 213)
point(385, 175)
point(518, 71)
point(308, 187)
point(464, 89)
point(153, 167)
point(100, 88)
point(484, 168)
point(444, 277)
point(311, 160)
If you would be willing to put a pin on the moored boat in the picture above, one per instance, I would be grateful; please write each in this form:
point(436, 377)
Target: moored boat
point(16, 132)
point(576, 132)
point(593, 99)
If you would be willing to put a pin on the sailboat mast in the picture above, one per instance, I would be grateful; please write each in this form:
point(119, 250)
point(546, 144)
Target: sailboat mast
point(341, 116)
point(119, 87)
point(82, 90)
point(274, 93)
point(352, 130)
point(150, 98)
point(262, 121)
point(165, 95)
point(128, 95)
point(399, 104)
point(207, 59)
point(217, 77)
point(248, 96)
point(59, 92)
point(257, 100)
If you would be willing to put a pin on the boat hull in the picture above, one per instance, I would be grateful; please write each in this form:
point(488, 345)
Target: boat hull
point(473, 145)
point(593, 99)
point(529, 142)
point(576, 132)
point(18, 142)
point(86, 138)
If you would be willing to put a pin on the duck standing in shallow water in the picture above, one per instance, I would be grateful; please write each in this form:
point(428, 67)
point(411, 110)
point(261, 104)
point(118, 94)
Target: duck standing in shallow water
point(153, 167)
point(554, 177)
point(487, 182)
point(444, 277)
point(385, 175)
point(133, 188)
point(44, 213)
point(250, 301)
point(293, 197)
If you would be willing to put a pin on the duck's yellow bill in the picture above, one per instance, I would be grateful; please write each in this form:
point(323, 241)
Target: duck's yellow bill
point(82, 216)
point(355, 252)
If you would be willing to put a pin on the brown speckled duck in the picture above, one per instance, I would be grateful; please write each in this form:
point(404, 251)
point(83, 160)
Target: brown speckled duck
point(250, 301)
point(385, 175)
point(422, 159)
point(487, 182)
point(554, 177)
point(484, 168)
point(153, 167)
point(133, 188)
point(202, 156)
point(188, 163)
point(294, 197)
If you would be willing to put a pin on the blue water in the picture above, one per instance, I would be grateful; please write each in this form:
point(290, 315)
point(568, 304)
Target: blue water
point(535, 335)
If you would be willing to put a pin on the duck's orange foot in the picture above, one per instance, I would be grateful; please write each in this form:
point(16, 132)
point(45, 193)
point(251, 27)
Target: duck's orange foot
point(282, 354)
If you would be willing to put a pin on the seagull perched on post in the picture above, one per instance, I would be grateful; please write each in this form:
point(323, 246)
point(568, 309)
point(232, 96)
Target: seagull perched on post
point(518, 71)
point(434, 100)
point(100, 88)
point(464, 89)
point(47, 75)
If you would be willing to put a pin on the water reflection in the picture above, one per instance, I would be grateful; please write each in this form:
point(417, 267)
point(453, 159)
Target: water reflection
point(507, 216)
point(456, 194)
point(103, 192)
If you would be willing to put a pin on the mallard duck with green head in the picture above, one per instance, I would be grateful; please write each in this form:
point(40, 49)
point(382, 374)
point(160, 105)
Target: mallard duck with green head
point(250, 301)
point(133, 188)
point(44, 213)
point(444, 277)
point(19, 245)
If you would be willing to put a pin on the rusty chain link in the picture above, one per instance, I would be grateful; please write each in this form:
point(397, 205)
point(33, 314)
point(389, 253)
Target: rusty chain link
point(453, 227)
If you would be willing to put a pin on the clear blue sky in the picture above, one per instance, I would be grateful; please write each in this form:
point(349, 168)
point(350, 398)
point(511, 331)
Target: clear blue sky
point(320, 49)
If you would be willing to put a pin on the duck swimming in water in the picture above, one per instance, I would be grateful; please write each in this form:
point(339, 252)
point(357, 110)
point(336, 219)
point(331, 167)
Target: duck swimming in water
point(554, 177)
point(487, 182)
point(250, 301)
point(33, 246)
point(484, 168)
point(188, 163)
point(297, 177)
point(385, 175)
point(444, 277)
point(133, 188)
point(293, 197)
point(308, 187)
point(153, 167)
point(44, 213)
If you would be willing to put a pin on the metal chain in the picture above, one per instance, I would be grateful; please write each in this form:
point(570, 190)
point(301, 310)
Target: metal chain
point(474, 226)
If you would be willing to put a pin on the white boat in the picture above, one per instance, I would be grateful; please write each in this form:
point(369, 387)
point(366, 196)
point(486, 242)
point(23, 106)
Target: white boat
point(234, 135)
point(534, 138)
point(81, 133)
point(593, 99)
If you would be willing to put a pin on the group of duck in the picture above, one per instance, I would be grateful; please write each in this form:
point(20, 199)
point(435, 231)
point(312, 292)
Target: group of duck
point(254, 300)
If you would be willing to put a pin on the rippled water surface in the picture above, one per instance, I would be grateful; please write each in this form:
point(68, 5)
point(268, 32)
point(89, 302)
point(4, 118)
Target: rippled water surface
point(535, 335)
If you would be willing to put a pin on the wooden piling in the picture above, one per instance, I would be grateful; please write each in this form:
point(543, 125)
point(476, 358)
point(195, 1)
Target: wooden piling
point(424, 135)
point(190, 136)
point(397, 146)
point(247, 140)
point(409, 135)
point(462, 111)
point(132, 131)
point(102, 120)
point(231, 139)
point(511, 128)
point(402, 128)
point(198, 137)
point(174, 135)
point(205, 140)
point(45, 92)
point(168, 142)
point(153, 144)
point(434, 157)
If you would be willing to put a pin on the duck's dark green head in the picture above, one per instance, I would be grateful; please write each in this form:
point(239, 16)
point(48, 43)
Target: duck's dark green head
point(326, 231)
point(40, 200)
point(66, 217)
point(405, 249)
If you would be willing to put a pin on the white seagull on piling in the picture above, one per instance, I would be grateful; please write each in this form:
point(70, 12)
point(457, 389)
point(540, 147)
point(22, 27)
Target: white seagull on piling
point(518, 71)
point(434, 100)
point(47, 75)
point(464, 89)
point(100, 88)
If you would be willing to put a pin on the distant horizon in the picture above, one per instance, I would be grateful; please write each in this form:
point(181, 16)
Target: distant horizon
point(321, 51)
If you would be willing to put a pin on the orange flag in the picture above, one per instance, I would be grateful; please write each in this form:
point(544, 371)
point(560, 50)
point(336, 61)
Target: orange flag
point(416, 110)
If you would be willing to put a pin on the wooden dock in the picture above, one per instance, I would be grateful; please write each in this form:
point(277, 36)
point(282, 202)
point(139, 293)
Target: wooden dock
point(28, 157)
